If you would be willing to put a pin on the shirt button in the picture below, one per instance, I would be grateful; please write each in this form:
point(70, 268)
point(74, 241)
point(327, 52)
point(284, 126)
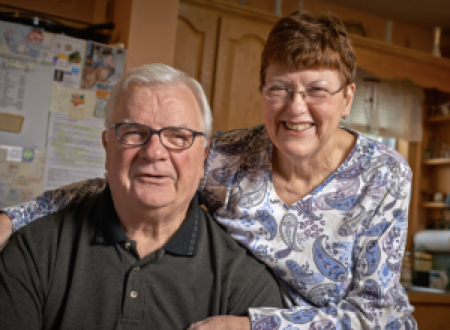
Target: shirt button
point(127, 246)
point(133, 294)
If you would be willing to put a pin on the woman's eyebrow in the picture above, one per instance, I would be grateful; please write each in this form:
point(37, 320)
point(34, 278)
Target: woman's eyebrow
point(318, 81)
point(277, 79)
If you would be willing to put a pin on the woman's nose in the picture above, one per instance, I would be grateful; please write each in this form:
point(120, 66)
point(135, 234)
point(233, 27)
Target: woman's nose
point(297, 101)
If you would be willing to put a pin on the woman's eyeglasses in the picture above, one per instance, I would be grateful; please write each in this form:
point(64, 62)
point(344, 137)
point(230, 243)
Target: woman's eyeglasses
point(312, 95)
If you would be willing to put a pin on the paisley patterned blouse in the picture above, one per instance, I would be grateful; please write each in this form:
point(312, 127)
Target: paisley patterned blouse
point(337, 251)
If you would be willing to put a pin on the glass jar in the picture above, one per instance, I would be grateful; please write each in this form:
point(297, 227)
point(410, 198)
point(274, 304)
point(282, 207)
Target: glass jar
point(422, 266)
point(406, 272)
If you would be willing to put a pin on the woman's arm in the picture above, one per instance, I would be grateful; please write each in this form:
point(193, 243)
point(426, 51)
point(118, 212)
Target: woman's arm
point(52, 201)
point(6, 228)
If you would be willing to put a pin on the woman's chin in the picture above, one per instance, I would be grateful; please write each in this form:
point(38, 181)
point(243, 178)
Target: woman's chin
point(292, 150)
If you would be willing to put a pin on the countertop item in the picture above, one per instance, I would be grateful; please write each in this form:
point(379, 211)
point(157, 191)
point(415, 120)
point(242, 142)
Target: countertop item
point(433, 240)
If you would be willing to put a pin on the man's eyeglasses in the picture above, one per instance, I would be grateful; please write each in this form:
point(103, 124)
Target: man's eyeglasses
point(174, 138)
point(312, 95)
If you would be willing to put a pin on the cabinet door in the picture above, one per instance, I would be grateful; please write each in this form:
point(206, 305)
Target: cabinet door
point(237, 101)
point(195, 44)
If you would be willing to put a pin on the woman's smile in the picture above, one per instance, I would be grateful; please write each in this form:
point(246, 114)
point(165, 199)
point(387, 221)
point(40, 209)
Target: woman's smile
point(297, 127)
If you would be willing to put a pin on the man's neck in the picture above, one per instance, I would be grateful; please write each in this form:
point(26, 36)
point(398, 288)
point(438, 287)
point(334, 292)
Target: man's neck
point(151, 230)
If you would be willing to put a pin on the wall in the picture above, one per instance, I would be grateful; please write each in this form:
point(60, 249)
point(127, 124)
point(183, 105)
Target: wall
point(152, 32)
point(147, 28)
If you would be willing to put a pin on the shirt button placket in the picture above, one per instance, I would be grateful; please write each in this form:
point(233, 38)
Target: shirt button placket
point(133, 303)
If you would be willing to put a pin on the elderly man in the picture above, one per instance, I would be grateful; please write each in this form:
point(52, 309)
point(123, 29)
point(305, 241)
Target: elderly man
point(141, 254)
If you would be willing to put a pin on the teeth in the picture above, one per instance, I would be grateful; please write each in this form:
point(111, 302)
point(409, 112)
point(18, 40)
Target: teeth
point(298, 127)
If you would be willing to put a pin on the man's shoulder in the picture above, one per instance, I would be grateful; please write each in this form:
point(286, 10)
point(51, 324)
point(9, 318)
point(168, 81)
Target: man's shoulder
point(242, 272)
point(230, 251)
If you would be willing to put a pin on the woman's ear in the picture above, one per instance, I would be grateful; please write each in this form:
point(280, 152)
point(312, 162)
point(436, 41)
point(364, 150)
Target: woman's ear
point(348, 100)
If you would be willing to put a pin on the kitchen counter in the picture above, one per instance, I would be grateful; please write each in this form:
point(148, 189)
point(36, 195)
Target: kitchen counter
point(432, 308)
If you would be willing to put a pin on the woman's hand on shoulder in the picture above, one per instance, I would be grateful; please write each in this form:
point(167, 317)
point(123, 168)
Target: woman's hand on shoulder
point(223, 322)
point(6, 228)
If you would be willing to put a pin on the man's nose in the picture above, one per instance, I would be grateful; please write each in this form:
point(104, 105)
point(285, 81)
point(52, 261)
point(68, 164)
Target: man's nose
point(154, 149)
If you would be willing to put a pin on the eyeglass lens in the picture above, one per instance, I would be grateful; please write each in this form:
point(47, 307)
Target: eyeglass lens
point(170, 137)
point(311, 95)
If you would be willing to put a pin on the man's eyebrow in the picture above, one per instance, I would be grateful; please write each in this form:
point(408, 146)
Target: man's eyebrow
point(128, 121)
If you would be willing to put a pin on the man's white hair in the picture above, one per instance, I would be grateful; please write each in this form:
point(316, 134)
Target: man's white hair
point(159, 74)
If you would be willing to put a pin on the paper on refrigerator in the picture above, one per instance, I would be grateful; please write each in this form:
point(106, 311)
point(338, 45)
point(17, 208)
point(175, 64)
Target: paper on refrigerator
point(64, 100)
point(103, 64)
point(20, 41)
point(74, 150)
point(21, 174)
point(68, 58)
point(24, 101)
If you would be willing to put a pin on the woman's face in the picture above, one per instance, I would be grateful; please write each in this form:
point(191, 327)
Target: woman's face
point(303, 129)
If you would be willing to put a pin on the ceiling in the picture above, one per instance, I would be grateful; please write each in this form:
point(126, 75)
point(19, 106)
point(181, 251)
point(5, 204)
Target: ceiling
point(426, 14)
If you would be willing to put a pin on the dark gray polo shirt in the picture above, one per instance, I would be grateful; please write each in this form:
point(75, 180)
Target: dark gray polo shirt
point(77, 269)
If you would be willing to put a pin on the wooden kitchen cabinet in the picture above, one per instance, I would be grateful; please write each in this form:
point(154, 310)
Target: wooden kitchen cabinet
point(237, 101)
point(222, 51)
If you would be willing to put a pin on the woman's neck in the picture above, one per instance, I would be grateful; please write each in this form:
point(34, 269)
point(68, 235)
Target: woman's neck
point(294, 178)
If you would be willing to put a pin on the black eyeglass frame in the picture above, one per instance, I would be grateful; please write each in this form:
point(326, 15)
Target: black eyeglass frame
point(155, 131)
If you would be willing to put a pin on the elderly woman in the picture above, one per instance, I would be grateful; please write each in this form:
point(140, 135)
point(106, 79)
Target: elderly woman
point(325, 207)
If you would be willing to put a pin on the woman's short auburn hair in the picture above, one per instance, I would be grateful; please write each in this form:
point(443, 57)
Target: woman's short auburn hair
point(306, 41)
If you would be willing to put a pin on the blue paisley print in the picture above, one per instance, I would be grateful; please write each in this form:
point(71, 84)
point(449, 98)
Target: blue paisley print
point(267, 323)
point(337, 252)
point(301, 316)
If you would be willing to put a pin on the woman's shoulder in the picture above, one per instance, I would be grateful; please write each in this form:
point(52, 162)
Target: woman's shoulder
point(381, 149)
point(370, 150)
point(374, 160)
point(240, 140)
point(236, 152)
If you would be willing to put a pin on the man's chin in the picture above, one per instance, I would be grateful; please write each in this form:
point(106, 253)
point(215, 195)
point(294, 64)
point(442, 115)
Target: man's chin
point(153, 198)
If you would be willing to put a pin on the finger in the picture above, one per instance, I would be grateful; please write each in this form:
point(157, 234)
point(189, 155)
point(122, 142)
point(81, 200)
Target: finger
point(196, 325)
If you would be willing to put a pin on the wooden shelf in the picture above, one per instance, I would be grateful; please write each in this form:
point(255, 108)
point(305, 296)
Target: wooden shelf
point(437, 161)
point(435, 205)
point(440, 119)
point(395, 62)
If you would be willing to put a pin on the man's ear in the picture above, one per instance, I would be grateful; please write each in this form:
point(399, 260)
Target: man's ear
point(205, 155)
point(208, 143)
point(104, 139)
point(105, 143)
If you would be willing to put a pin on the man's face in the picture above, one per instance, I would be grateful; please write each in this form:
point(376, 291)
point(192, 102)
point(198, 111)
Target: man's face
point(151, 177)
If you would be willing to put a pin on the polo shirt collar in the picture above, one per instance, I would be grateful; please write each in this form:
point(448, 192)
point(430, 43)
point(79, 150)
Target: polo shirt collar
point(183, 242)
